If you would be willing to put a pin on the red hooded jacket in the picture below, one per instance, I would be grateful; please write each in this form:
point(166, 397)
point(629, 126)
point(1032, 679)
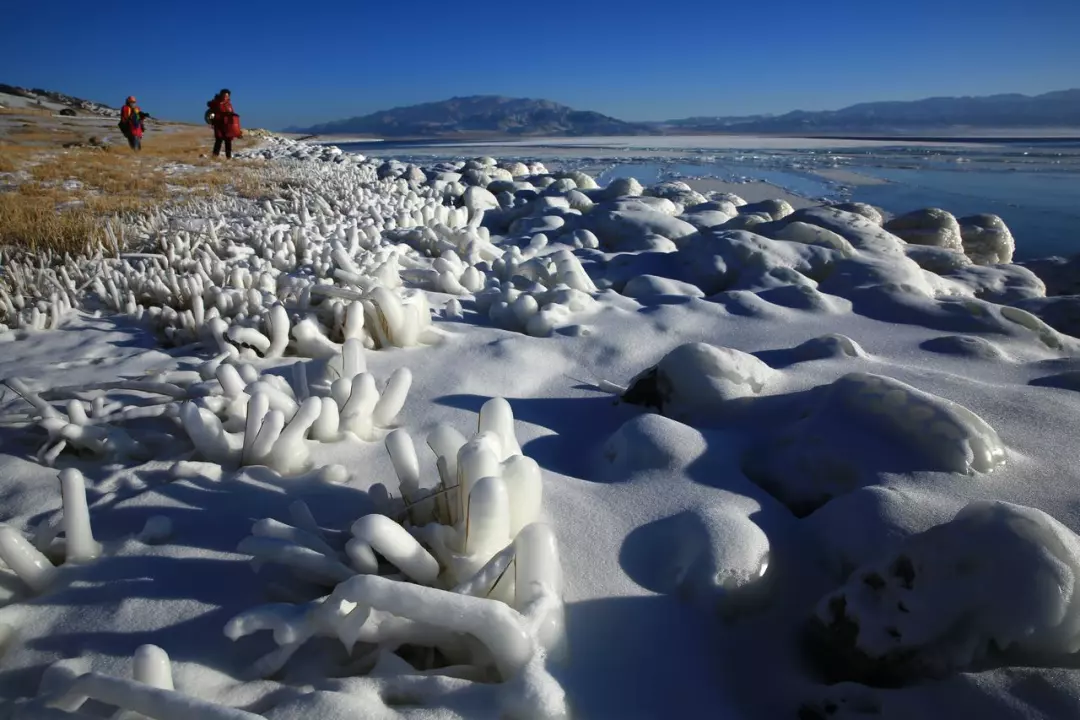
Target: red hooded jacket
point(226, 121)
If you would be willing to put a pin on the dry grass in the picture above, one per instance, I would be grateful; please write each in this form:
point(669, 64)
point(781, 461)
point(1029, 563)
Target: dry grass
point(50, 211)
point(31, 110)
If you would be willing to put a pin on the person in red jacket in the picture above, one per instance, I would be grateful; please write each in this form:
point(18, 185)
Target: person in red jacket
point(131, 123)
point(226, 122)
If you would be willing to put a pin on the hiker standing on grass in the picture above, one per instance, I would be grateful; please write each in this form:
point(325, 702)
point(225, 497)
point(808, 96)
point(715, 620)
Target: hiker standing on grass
point(131, 123)
point(226, 122)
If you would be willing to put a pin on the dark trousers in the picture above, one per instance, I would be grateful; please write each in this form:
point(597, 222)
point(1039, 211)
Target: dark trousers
point(134, 141)
point(228, 146)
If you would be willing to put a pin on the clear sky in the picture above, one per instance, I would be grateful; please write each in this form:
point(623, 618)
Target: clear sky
point(301, 63)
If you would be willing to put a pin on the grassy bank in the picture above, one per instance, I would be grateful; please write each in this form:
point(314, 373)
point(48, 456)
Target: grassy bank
point(62, 184)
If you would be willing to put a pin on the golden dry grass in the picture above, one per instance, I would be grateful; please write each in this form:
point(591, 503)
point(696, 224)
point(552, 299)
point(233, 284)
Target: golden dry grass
point(50, 211)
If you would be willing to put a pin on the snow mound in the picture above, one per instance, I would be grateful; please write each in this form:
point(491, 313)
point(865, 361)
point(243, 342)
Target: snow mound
point(812, 460)
point(965, 346)
point(869, 212)
point(631, 229)
point(650, 286)
point(997, 578)
point(1005, 284)
point(858, 528)
point(1061, 313)
point(862, 233)
point(829, 346)
point(695, 380)
point(930, 226)
point(775, 209)
point(808, 234)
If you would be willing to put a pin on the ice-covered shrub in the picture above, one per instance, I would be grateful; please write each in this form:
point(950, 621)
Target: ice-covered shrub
point(869, 212)
point(775, 209)
point(930, 226)
point(247, 419)
point(481, 577)
point(986, 239)
point(695, 380)
point(998, 578)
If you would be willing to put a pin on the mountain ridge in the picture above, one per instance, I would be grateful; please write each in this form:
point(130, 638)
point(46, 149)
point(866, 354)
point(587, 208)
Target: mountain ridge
point(480, 115)
point(1059, 108)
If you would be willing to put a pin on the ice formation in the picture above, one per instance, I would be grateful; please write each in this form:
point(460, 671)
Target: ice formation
point(477, 565)
point(448, 595)
point(812, 460)
point(998, 578)
point(695, 380)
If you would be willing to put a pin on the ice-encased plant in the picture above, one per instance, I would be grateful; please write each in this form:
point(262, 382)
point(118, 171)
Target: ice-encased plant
point(463, 566)
point(149, 694)
point(29, 563)
point(248, 419)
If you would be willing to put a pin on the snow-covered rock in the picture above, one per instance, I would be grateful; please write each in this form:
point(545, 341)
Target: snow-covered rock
point(997, 578)
point(695, 381)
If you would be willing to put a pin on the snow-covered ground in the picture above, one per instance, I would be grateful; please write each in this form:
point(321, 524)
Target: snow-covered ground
point(478, 440)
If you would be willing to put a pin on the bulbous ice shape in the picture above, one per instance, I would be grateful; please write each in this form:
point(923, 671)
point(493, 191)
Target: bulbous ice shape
point(152, 667)
point(393, 542)
point(538, 584)
point(476, 459)
point(525, 490)
point(392, 398)
point(497, 417)
point(487, 524)
point(80, 545)
point(279, 331)
point(26, 561)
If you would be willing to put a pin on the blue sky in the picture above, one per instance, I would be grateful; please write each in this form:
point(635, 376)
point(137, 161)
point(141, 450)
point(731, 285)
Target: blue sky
point(300, 63)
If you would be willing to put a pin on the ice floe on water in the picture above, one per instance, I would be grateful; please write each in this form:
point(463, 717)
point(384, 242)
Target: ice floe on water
point(485, 438)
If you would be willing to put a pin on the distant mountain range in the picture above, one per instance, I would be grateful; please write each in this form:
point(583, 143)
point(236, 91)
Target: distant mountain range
point(495, 116)
point(481, 115)
point(1053, 109)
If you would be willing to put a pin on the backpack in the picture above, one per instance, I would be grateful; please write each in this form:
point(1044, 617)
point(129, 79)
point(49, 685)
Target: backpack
point(208, 116)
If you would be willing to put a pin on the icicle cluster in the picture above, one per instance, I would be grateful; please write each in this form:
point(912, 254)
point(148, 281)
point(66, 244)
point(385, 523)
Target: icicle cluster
point(462, 565)
point(244, 418)
point(535, 293)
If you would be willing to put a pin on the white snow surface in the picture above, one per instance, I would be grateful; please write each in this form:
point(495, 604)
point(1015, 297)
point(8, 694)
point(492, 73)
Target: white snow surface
point(478, 441)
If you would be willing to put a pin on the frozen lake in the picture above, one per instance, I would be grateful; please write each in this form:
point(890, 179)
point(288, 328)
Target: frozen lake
point(1034, 185)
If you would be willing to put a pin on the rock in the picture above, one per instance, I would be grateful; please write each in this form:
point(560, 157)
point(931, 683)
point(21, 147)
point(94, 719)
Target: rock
point(930, 226)
point(68, 112)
